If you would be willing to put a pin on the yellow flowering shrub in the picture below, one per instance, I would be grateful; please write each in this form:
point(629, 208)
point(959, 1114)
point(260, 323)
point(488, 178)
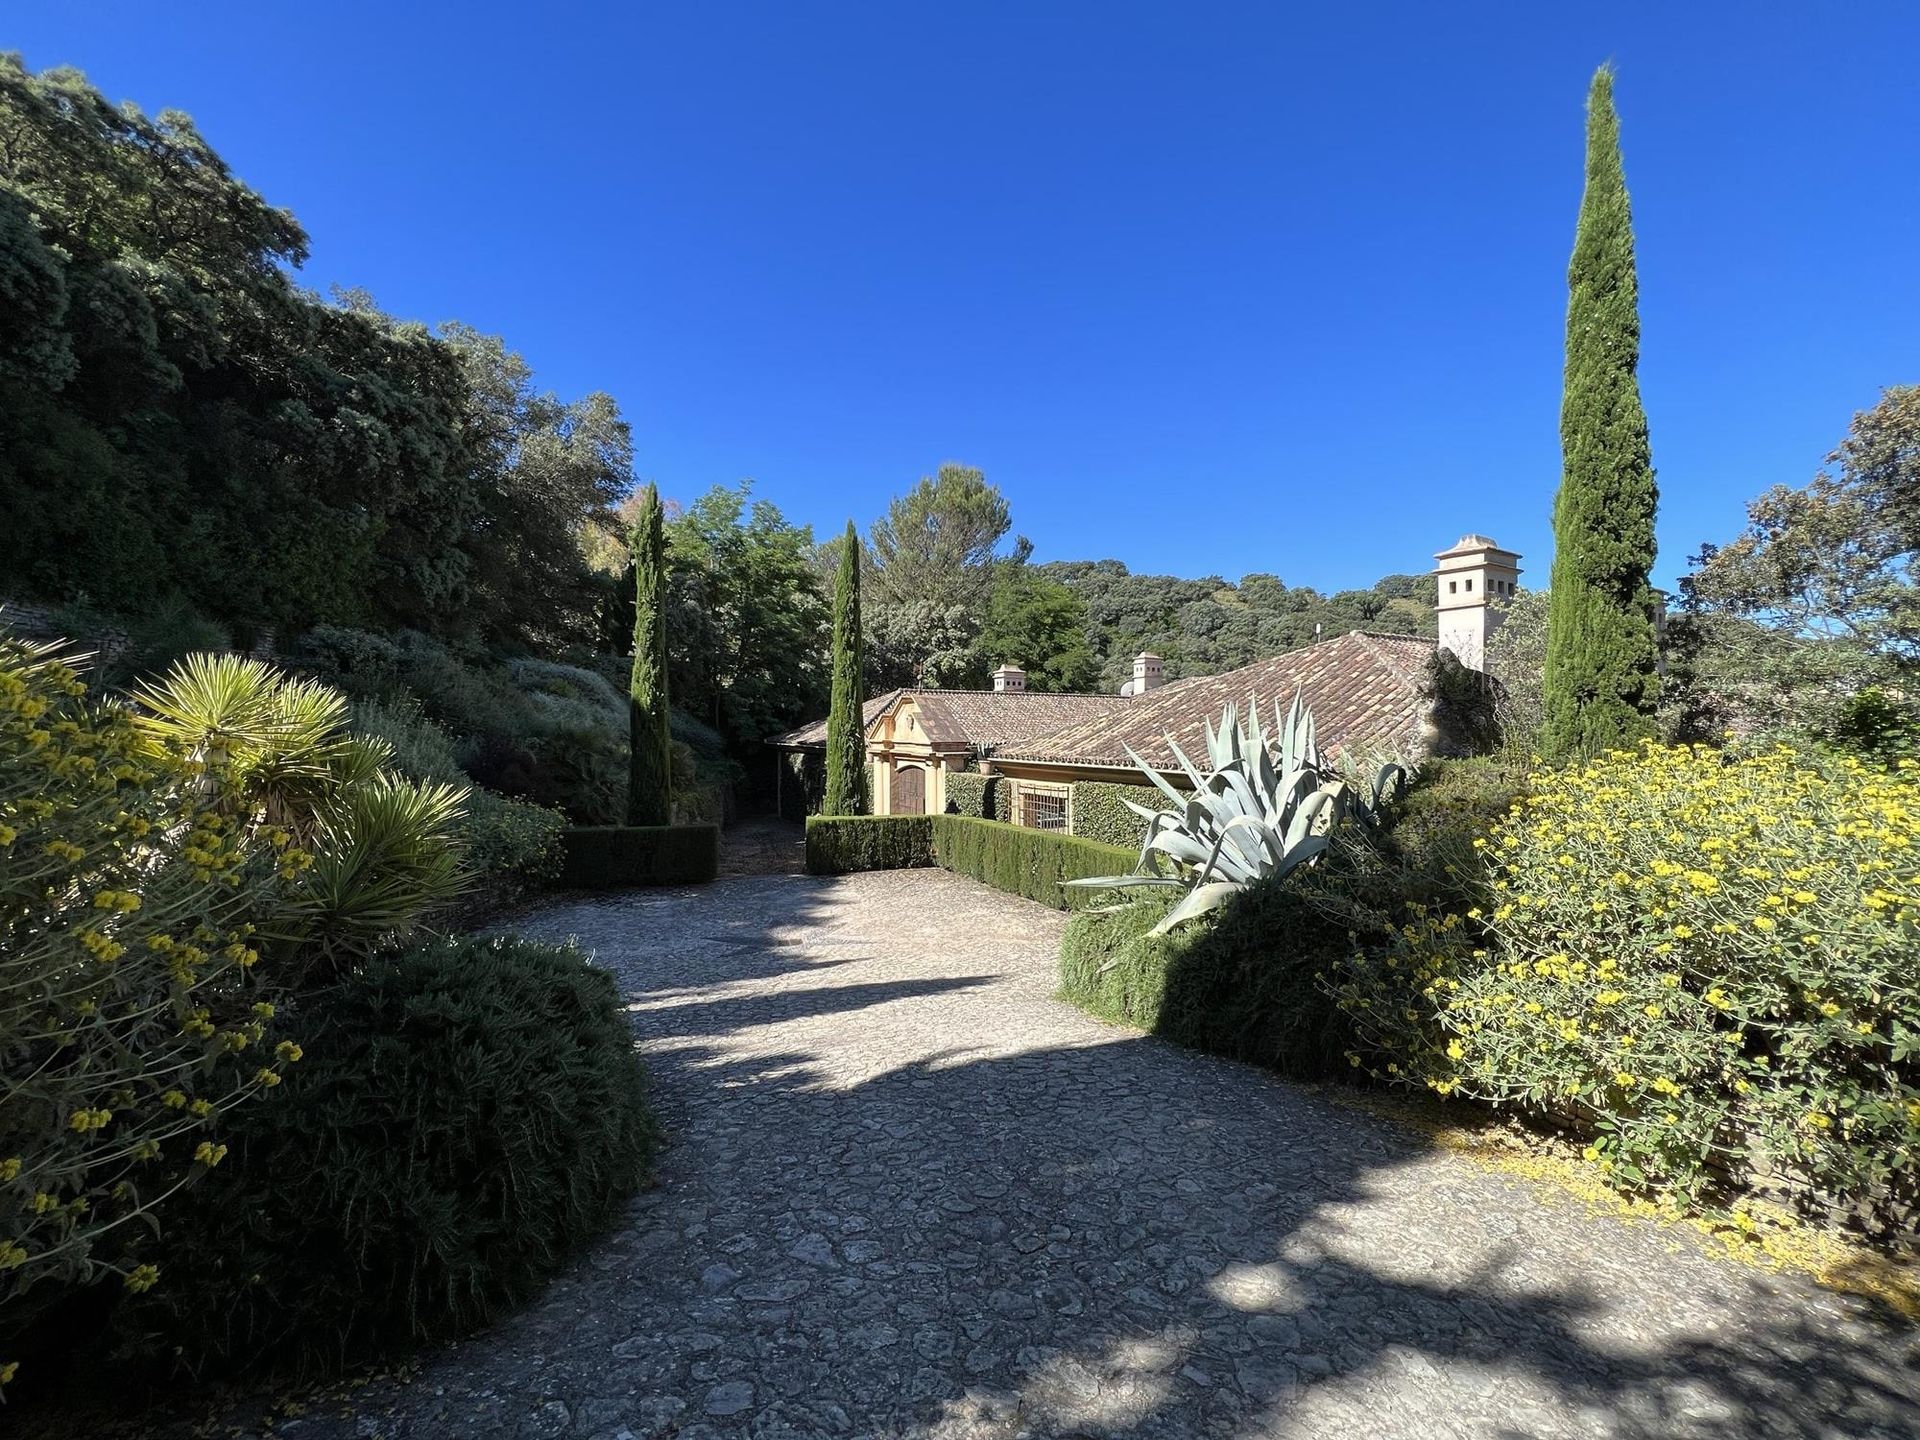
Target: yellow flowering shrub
point(130, 911)
point(1711, 963)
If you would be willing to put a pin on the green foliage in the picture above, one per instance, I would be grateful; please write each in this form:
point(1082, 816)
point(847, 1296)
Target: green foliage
point(1448, 806)
point(649, 774)
point(1706, 962)
point(131, 1026)
point(470, 1114)
point(747, 621)
point(131, 647)
point(1035, 864)
point(383, 850)
point(551, 734)
point(1100, 811)
point(1874, 724)
point(802, 784)
point(1208, 625)
point(612, 857)
point(179, 419)
point(1600, 688)
point(510, 846)
point(1819, 597)
point(1039, 624)
point(846, 792)
point(844, 844)
point(1246, 985)
point(985, 797)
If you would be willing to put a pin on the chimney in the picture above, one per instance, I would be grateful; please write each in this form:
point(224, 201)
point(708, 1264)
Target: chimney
point(1009, 679)
point(1147, 674)
point(1473, 576)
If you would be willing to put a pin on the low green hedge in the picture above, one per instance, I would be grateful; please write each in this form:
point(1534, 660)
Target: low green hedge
point(1029, 863)
point(608, 857)
point(1099, 812)
point(842, 844)
point(1244, 983)
point(984, 797)
point(1021, 861)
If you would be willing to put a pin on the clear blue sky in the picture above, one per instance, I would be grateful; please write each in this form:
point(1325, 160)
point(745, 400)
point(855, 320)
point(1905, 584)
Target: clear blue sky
point(1209, 289)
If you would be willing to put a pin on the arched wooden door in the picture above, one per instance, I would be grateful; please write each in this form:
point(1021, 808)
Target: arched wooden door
point(909, 790)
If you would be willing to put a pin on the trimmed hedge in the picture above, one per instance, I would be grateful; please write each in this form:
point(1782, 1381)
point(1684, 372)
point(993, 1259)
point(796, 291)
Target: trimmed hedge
point(1028, 863)
point(843, 844)
point(1098, 813)
point(983, 797)
point(609, 857)
point(1244, 983)
point(1020, 861)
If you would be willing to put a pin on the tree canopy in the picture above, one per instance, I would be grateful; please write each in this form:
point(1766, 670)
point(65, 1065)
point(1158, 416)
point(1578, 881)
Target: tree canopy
point(179, 419)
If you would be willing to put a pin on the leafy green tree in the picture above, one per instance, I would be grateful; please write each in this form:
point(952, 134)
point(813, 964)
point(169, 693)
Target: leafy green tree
point(933, 556)
point(179, 420)
point(1601, 686)
point(1818, 598)
point(650, 768)
point(1040, 625)
point(846, 721)
point(749, 617)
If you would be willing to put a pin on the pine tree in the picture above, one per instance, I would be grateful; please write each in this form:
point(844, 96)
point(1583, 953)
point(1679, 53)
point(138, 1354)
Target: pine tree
point(650, 767)
point(1600, 684)
point(846, 726)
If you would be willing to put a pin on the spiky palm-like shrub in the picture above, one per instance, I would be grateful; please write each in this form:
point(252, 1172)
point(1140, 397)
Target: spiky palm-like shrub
point(1600, 686)
point(650, 762)
point(471, 1112)
point(846, 721)
point(276, 753)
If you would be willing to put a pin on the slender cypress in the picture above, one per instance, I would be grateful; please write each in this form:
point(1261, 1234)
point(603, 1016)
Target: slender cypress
point(650, 767)
point(846, 727)
point(1600, 684)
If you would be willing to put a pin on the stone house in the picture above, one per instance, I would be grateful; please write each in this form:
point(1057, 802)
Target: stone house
point(1369, 695)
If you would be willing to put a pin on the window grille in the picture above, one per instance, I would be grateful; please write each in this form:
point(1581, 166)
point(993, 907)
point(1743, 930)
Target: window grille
point(1043, 810)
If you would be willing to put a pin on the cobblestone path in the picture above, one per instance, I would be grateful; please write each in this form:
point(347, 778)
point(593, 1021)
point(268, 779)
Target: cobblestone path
point(906, 1192)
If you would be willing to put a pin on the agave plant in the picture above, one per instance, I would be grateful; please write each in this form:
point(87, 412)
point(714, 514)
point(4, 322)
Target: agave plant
point(1261, 811)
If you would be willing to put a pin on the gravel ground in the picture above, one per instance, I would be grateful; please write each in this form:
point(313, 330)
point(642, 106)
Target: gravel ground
point(906, 1192)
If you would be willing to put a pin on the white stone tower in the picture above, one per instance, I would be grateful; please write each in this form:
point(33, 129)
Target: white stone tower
point(1475, 575)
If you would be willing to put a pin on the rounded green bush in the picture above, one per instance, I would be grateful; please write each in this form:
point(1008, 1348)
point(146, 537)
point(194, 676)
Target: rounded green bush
point(467, 1115)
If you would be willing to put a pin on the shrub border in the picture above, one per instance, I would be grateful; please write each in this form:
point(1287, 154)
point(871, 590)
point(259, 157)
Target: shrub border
point(612, 857)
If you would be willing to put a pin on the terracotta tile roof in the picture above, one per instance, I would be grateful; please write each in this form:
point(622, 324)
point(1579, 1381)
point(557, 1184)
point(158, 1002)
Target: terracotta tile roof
point(813, 736)
point(1364, 689)
point(978, 719)
point(990, 719)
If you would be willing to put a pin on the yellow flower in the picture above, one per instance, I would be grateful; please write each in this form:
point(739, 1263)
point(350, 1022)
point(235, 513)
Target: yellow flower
point(142, 1277)
point(209, 1154)
point(291, 1052)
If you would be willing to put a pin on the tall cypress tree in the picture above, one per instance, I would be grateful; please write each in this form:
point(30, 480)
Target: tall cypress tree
point(650, 768)
point(1600, 684)
point(846, 726)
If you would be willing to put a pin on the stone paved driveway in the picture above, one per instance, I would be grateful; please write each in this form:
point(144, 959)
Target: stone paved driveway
point(908, 1193)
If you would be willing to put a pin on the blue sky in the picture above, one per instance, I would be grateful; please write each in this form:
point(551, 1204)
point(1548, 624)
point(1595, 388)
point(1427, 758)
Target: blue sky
point(1210, 289)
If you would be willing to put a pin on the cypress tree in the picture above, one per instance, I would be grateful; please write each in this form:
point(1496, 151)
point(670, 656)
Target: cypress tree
point(1600, 684)
point(846, 725)
point(650, 765)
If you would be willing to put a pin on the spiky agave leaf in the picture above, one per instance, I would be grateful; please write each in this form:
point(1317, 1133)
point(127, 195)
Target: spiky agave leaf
point(1257, 815)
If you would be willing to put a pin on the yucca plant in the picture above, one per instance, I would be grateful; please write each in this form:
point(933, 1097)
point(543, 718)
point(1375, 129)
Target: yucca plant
point(275, 753)
point(1260, 811)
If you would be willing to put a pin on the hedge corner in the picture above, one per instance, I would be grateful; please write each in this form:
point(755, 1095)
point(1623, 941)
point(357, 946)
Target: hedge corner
point(612, 857)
